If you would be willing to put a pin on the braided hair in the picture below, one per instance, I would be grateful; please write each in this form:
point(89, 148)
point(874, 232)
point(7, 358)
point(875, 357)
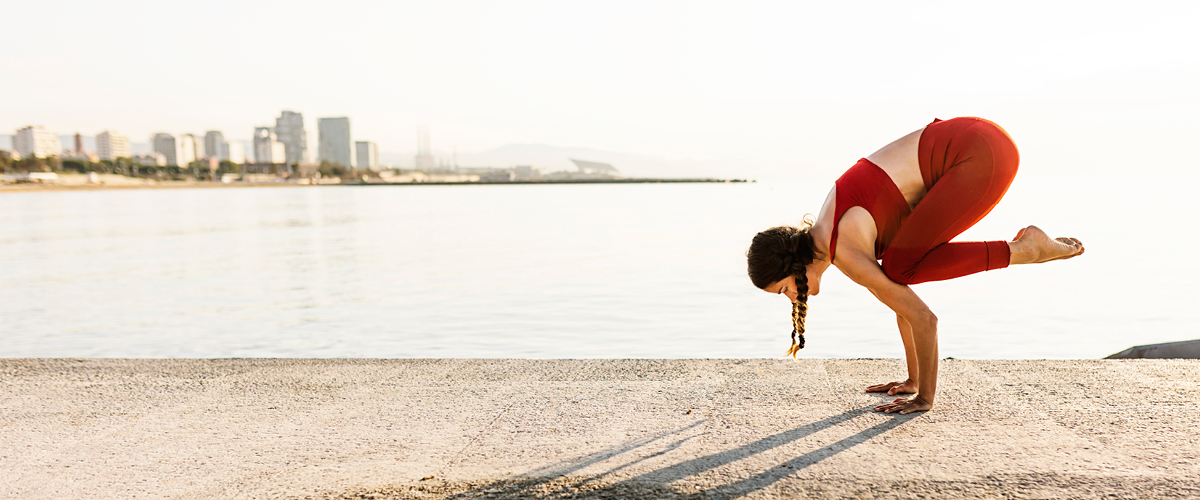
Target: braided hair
point(799, 311)
point(776, 254)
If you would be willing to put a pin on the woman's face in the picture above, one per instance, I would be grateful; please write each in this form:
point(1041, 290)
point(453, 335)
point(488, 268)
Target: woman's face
point(787, 286)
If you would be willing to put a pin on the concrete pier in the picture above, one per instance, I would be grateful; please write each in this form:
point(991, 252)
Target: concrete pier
point(298, 428)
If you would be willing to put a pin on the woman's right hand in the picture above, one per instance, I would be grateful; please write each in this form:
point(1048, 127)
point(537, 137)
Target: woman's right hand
point(893, 388)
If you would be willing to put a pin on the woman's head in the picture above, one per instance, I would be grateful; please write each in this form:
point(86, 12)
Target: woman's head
point(780, 253)
point(777, 262)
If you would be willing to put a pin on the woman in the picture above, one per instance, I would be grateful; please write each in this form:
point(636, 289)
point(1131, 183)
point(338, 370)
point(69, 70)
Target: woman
point(887, 224)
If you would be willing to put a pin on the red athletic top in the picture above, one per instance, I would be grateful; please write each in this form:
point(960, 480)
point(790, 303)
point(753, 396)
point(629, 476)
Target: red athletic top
point(868, 186)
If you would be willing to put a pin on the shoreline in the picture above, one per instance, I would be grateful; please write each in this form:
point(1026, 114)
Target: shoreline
point(633, 428)
point(36, 187)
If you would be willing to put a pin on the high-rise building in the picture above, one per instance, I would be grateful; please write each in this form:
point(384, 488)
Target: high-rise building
point(34, 141)
point(333, 141)
point(289, 129)
point(168, 145)
point(189, 149)
point(234, 151)
point(212, 144)
point(78, 143)
point(266, 148)
point(424, 159)
point(367, 155)
point(112, 145)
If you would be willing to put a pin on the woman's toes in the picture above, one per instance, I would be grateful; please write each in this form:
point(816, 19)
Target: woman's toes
point(1074, 247)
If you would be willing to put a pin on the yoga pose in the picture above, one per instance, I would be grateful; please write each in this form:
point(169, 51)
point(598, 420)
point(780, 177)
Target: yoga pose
point(887, 224)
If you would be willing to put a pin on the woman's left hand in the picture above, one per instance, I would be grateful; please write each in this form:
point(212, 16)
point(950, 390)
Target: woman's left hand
point(905, 406)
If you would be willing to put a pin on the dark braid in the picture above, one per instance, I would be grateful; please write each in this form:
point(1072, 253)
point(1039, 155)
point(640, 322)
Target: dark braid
point(799, 311)
point(776, 254)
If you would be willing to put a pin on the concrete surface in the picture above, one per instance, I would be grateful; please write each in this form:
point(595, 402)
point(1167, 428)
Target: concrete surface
point(255, 428)
point(1188, 349)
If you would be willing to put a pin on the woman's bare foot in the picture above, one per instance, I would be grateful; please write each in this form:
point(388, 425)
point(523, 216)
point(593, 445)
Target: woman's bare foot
point(893, 388)
point(1032, 245)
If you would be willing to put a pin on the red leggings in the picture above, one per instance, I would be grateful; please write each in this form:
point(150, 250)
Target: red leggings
point(967, 165)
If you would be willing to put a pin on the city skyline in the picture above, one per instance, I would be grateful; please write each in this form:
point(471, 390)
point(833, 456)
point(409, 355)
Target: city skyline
point(265, 145)
point(286, 142)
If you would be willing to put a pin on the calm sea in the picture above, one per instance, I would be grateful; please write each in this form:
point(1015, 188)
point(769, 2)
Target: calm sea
point(554, 271)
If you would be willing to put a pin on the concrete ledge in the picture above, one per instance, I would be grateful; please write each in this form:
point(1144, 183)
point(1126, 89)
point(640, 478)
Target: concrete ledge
point(258, 428)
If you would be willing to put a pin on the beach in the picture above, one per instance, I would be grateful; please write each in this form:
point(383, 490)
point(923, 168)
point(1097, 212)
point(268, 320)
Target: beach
point(711, 428)
point(80, 182)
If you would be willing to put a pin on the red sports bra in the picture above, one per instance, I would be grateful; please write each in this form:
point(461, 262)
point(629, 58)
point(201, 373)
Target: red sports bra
point(868, 186)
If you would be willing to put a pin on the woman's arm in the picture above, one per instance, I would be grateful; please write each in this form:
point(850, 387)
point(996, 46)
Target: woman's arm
point(910, 349)
point(910, 357)
point(855, 258)
point(923, 324)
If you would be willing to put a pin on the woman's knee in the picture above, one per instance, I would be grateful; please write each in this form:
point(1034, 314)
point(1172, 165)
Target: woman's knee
point(899, 269)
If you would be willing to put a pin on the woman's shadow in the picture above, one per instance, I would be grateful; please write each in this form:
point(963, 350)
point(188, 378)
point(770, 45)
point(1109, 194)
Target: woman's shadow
point(556, 481)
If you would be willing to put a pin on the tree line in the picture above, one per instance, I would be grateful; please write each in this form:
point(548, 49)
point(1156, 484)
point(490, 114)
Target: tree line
point(198, 170)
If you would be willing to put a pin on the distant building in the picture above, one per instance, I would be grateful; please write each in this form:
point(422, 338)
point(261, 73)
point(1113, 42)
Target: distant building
point(504, 175)
point(112, 145)
point(367, 155)
point(266, 148)
point(233, 151)
point(38, 142)
point(594, 167)
point(289, 129)
point(333, 141)
point(166, 145)
point(190, 148)
point(213, 139)
point(151, 160)
point(424, 159)
point(78, 144)
point(526, 172)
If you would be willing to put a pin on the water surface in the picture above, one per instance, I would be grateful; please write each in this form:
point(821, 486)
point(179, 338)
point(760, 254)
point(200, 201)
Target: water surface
point(554, 271)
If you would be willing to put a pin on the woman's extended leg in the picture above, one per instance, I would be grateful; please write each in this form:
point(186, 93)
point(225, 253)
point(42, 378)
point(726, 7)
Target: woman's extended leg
point(980, 162)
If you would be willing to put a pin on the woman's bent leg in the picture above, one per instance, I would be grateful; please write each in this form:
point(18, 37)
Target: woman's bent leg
point(967, 191)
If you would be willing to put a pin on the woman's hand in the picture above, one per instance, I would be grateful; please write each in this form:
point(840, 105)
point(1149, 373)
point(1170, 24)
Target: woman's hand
point(856, 259)
point(893, 388)
point(904, 406)
point(859, 266)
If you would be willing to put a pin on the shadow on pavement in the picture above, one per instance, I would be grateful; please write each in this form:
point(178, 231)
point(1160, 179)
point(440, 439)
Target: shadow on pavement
point(558, 480)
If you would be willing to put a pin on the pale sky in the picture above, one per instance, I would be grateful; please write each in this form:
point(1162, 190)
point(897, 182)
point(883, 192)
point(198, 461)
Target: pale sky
point(1081, 86)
